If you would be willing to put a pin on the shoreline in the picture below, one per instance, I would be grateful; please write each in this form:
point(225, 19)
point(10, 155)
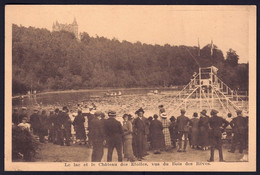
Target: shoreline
point(97, 90)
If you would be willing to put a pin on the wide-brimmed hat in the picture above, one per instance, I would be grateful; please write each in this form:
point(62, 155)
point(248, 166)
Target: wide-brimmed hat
point(24, 108)
point(160, 106)
point(164, 115)
point(111, 113)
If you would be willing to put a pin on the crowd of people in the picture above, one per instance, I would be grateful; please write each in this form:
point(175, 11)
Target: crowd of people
point(135, 135)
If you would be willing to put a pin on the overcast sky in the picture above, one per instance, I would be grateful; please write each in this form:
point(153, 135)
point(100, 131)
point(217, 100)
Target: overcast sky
point(227, 26)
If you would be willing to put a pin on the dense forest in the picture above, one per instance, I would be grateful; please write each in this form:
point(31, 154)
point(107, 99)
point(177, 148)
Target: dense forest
point(45, 61)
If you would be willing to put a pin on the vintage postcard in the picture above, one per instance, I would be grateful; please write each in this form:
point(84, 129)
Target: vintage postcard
point(130, 88)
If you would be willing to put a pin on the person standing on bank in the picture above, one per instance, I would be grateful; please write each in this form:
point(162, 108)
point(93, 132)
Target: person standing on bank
point(51, 119)
point(195, 131)
point(78, 124)
point(157, 137)
point(56, 126)
point(173, 131)
point(127, 138)
point(166, 133)
point(114, 134)
point(65, 126)
point(183, 129)
point(204, 130)
point(238, 125)
point(217, 125)
point(35, 122)
point(43, 129)
point(139, 130)
point(146, 131)
point(98, 136)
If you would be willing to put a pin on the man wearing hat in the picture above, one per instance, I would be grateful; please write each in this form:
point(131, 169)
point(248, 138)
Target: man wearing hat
point(98, 136)
point(90, 116)
point(35, 122)
point(64, 127)
point(183, 129)
point(217, 125)
point(51, 121)
point(238, 125)
point(139, 132)
point(173, 131)
point(114, 134)
point(56, 126)
point(204, 130)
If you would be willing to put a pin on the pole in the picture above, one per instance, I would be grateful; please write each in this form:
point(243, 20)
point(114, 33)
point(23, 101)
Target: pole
point(200, 87)
point(212, 95)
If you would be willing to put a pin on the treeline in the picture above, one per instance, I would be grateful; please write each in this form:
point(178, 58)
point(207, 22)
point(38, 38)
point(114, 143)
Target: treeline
point(45, 60)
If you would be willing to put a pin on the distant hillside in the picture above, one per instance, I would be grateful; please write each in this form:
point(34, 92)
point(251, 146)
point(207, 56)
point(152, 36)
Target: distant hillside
point(45, 60)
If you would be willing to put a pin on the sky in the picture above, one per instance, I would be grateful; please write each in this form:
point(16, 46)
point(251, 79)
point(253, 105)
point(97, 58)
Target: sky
point(227, 26)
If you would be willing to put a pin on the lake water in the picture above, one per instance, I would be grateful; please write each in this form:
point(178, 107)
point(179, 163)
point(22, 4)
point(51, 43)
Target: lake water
point(74, 97)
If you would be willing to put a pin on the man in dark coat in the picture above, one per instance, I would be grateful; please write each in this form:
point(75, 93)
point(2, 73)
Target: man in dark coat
point(173, 131)
point(51, 120)
point(139, 132)
point(90, 117)
point(156, 135)
point(43, 129)
point(35, 122)
point(78, 124)
point(217, 125)
point(183, 129)
point(238, 125)
point(98, 136)
point(114, 134)
point(56, 126)
point(146, 128)
point(64, 127)
point(204, 130)
point(15, 116)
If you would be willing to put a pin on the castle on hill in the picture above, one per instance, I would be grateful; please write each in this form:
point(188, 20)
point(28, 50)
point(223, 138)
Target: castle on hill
point(73, 28)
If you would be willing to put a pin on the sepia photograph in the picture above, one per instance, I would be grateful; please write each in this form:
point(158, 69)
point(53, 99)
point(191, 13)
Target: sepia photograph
point(130, 88)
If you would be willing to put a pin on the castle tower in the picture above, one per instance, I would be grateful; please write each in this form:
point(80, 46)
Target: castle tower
point(73, 28)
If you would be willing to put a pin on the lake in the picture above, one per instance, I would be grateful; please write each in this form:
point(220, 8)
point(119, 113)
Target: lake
point(130, 99)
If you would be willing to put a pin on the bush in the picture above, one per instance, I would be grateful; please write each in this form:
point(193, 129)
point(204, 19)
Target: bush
point(23, 144)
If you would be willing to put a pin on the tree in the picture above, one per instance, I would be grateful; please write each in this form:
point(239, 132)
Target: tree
point(232, 58)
